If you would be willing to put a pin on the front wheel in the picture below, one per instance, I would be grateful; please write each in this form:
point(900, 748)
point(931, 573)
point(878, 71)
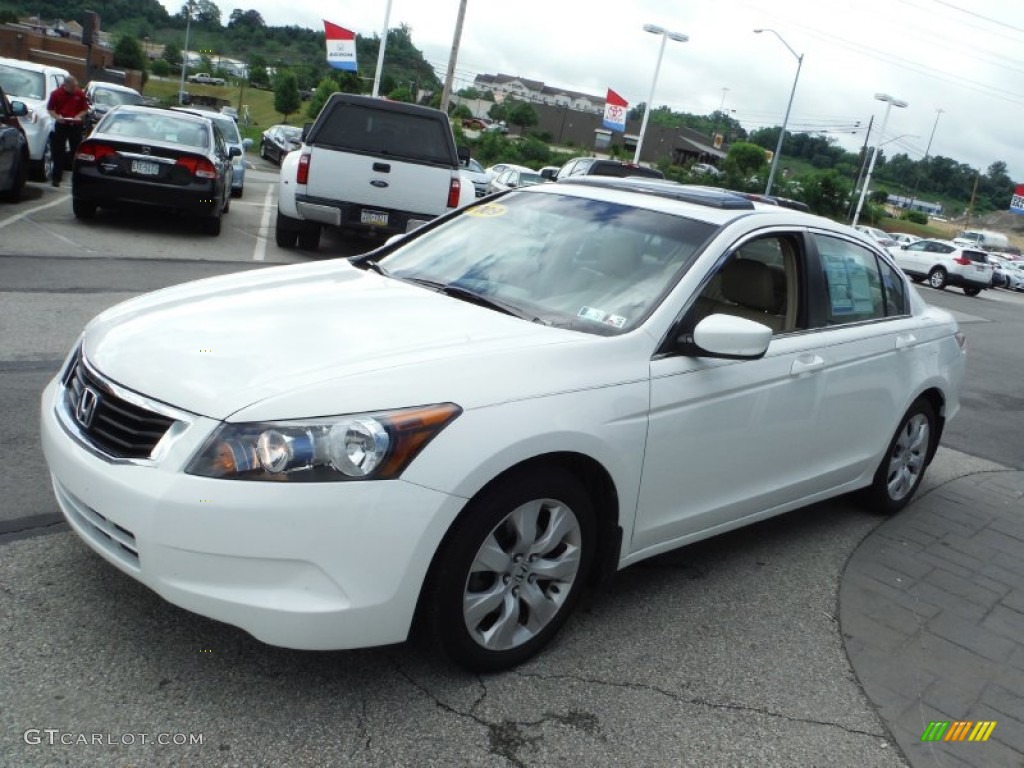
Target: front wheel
point(902, 468)
point(510, 570)
point(43, 171)
point(83, 209)
point(937, 278)
point(971, 291)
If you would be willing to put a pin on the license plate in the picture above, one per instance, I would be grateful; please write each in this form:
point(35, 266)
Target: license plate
point(143, 168)
point(981, 268)
point(375, 218)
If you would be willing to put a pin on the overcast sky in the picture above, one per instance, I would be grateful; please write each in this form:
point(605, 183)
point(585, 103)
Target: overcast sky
point(965, 57)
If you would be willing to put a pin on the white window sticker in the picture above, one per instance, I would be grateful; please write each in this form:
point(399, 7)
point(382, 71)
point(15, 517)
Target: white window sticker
point(600, 316)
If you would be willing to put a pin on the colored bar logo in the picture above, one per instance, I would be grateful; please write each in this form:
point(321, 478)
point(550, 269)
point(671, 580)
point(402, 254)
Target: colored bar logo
point(958, 730)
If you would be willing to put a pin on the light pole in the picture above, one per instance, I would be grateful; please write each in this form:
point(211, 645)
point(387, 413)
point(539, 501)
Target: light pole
point(924, 160)
point(785, 120)
point(890, 102)
point(184, 54)
point(665, 37)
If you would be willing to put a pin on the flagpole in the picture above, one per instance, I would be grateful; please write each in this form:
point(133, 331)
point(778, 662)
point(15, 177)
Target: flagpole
point(380, 53)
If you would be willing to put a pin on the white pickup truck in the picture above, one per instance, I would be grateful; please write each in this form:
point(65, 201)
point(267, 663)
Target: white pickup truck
point(205, 78)
point(369, 164)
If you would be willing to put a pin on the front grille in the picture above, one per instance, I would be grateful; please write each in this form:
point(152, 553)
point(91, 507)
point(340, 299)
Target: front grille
point(115, 426)
point(117, 541)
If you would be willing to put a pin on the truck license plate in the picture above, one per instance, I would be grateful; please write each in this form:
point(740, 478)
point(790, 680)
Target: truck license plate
point(145, 169)
point(375, 218)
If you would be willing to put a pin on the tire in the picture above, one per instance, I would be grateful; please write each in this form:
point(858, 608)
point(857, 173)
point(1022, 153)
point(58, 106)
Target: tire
point(937, 278)
point(530, 525)
point(83, 209)
point(972, 291)
point(14, 194)
point(286, 231)
point(309, 238)
point(902, 468)
point(212, 225)
point(263, 150)
point(237, 192)
point(43, 170)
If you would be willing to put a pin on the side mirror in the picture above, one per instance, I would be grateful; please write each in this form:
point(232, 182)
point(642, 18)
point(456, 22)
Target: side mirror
point(549, 173)
point(463, 153)
point(305, 131)
point(246, 143)
point(19, 109)
point(234, 151)
point(727, 336)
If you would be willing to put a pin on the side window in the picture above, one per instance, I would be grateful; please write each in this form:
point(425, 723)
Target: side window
point(853, 280)
point(760, 281)
point(895, 290)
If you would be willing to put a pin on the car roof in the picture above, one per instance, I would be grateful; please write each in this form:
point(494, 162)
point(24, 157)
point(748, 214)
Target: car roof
point(144, 110)
point(112, 86)
point(34, 67)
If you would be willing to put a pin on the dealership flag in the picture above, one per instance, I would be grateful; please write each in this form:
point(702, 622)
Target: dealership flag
point(341, 47)
point(1017, 201)
point(615, 112)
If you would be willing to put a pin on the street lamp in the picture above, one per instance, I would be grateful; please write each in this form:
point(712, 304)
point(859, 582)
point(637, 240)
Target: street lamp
point(785, 120)
point(665, 37)
point(890, 102)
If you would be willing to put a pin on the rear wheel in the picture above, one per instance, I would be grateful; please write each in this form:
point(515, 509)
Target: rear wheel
point(20, 176)
point(902, 468)
point(211, 224)
point(937, 278)
point(83, 209)
point(287, 231)
point(237, 192)
point(309, 238)
point(972, 291)
point(263, 150)
point(511, 569)
point(43, 171)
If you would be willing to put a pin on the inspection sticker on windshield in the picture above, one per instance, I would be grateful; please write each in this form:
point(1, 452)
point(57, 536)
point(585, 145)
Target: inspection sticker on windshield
point(600, 316)
point(488, 210)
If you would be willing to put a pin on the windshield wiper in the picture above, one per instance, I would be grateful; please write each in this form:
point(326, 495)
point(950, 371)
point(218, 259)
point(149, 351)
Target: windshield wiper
point(377, 267)
point(465, 294)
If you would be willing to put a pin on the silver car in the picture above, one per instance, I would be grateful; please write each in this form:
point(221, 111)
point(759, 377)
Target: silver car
point(229, 130)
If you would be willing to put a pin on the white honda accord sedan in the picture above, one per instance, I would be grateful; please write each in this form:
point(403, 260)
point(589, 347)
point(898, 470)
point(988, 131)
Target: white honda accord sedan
point(459, 431)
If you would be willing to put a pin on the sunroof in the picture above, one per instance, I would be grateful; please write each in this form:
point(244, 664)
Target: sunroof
point(711, 197)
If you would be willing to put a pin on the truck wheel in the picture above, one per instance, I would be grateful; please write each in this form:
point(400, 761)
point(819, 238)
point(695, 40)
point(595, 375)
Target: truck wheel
point(309, 238)
point(286, 231)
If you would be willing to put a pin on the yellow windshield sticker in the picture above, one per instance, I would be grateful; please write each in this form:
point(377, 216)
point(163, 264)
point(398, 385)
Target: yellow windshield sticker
point(488, 210)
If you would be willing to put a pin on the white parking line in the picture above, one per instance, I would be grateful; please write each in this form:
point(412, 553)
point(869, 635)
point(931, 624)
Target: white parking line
point(261, 234)
point(30, 211)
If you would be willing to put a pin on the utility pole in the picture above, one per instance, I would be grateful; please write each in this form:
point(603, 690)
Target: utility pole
point(449, 76)
point(924, 160)
point(380, 52)
point(863, 165)
point(970, 206)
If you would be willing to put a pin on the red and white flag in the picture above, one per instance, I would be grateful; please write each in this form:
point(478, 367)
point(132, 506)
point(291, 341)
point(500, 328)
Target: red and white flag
point(615, 112)
point(341, 47)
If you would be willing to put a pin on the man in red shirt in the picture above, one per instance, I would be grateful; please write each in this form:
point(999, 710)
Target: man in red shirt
point(68, 107)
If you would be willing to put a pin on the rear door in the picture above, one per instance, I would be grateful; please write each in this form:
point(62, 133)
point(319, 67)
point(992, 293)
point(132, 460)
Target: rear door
point(381, 159)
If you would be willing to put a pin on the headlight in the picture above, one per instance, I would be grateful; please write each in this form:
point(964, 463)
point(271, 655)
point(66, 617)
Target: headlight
point(369, 446)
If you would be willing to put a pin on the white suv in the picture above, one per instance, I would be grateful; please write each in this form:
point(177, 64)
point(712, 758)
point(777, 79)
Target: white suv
point(33, 83)
point(942, 263)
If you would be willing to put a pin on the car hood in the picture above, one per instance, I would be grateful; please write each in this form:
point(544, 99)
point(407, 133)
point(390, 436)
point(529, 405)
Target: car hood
point(309, 340)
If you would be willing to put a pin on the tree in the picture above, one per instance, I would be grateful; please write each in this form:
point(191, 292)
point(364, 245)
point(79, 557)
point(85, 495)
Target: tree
point(250, 18)
point(745, 159)
point(826, 192)
point(128, 54)
point(207, 14)
point(401, 94)
point(286, 94)
point(323, 92)
point(172, 54)
point(497, 111)
point(523, 115)
point(161, 68)
point(461, 112)
point(258, 77)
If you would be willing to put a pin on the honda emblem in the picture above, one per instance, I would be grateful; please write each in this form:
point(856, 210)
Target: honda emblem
point(86, 409)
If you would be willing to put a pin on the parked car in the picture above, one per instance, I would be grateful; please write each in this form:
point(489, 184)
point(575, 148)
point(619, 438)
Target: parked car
point(498, 168)
point(879, 236)
point(903, 238)
point(230, 112)
point(103, 96)
point(157, 157)
point(229, 130)
point(705, 169)
point(466, 426)
point(512, 178)
point(592, 166)
point(475, 123)
point(1015, 275)
point(941, 263)
point(32, 84)
point(278, 140)
point(1001, 277)
point(498, 127)
point(981, 238)
point(475, 174)
point(14, 157)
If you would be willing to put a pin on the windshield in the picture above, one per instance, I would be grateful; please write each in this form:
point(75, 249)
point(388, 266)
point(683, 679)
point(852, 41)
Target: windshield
point(291, 134)
point(474, 166)
point(228, 128)
point(570, 262)
point(154, 126)
point(111, 98)
point(21, 82)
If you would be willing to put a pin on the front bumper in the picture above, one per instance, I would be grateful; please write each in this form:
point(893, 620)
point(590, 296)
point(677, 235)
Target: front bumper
point(312, 566)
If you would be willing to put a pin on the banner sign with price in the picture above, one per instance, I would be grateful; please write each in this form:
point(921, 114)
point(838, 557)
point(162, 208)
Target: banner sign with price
point(1017, 201)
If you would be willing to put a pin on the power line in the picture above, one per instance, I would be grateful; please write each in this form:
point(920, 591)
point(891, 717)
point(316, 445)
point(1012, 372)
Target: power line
point(978, 15)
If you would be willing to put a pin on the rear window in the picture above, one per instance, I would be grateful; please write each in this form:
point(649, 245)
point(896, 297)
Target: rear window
point(383, 132)
point(978, 256)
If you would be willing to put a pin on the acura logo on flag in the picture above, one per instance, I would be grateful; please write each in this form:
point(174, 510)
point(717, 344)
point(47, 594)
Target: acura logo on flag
point(86, 409)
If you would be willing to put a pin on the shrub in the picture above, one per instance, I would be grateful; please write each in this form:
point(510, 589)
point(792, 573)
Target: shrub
point(916, 217)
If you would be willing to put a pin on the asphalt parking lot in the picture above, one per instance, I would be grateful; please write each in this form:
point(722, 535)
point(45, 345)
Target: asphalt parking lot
point(728, 652)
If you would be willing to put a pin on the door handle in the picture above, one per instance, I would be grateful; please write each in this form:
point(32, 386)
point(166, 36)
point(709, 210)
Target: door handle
point(807, 364)
point(905, 340)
